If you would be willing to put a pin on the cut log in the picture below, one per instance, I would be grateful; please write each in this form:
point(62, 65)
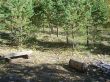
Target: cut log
point(79, 66)
point(84, 67)
point(8, 57)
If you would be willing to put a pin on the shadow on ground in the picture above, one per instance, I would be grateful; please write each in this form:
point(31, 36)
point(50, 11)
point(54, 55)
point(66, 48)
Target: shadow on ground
point(103, 49)
point(99, 49)
point(54, 44)
point(95, 49)
point(45, 73)
point(55, 33)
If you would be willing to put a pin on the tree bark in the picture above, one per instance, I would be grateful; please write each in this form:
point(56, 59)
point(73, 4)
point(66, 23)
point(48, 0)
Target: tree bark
point(67, 35)
point(43, 29)
point(87, 31)
point(94, 35)
point(8, 57)
point(79, 66)
point(57, 31)
point(51, 27)
point(73, 37)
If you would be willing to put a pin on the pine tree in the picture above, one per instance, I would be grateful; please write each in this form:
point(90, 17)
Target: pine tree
point(18, 18)
point(99, 16)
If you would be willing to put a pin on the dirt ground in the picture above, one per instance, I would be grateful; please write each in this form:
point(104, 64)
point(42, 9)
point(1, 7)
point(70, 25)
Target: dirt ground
point(49, 66)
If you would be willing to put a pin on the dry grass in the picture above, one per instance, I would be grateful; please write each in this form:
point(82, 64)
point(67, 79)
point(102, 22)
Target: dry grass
point(49, 62)
point(47, 66)
point(54, 56)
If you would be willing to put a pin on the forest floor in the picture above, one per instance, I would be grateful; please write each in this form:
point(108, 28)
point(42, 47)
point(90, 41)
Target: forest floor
point(49, 61)
point(49, 66)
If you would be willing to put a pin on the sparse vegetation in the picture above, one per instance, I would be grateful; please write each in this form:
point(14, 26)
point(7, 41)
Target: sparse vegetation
point(56, 30)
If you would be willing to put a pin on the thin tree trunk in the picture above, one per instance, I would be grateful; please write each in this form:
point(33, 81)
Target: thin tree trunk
point(67, 35)
point(72, 33)
point(94, 35)
point(51, 29)
point(94, 41)
point(57, 31)
point(21, 38)
point(73, 37)
point(43, 29)
point(87, 31)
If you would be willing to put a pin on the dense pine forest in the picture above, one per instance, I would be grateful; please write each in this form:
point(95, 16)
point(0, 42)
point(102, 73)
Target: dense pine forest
point(24, 19)
point(56, 31)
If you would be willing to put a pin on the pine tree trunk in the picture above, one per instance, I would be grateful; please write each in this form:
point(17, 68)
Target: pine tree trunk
point(43, 29)
point(20, 38)
point(67, 35)
point(57, 31)
point(73, 37)
point(51, 28)
point(94, 36)
point(87, 31)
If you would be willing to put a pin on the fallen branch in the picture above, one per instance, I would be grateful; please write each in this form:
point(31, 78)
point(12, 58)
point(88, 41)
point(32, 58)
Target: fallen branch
point(83, 66)
point(105, 68)
point(23, 54)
